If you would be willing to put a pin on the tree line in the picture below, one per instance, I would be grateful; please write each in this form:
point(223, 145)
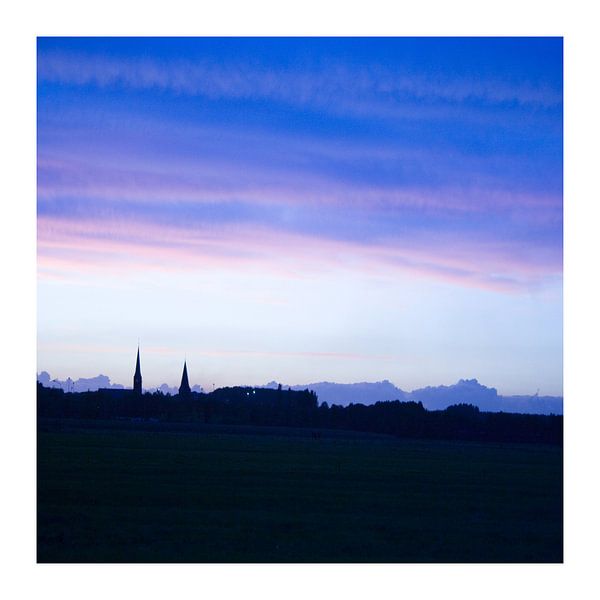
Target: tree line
point(269, 407)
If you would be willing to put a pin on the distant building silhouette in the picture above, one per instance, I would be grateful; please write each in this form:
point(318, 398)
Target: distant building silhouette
point(137, 377)
point(184, 388)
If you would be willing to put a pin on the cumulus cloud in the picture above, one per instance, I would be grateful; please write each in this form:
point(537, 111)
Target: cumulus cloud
point(93, 384)
point(465, 391)
point(83, 384)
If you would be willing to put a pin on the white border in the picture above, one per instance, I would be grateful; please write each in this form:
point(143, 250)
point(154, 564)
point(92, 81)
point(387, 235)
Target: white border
point(22, 22)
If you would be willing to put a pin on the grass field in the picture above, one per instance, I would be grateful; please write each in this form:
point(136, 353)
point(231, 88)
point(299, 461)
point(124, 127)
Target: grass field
point(214, 496)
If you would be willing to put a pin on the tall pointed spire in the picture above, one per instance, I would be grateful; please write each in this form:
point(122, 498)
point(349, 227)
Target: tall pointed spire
point(184, 388)
point(137, 377)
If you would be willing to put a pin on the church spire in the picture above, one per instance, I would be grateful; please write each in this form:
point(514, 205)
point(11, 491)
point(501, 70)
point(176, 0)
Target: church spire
point(137, 377)
point(184, 388)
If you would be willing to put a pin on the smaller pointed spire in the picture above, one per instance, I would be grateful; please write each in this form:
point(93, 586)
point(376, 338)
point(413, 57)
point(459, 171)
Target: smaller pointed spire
point(137, 377)
point(184, 388)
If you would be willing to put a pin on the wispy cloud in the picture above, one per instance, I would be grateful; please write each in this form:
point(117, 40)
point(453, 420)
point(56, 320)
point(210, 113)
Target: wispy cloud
point(446, 212)
point(124, 246)
point(261, 170)
point(101, 199)
point(336, 88)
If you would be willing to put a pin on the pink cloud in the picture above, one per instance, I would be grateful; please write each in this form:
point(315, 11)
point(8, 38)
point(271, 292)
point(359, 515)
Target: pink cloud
point(209, 180)
point(120, 246)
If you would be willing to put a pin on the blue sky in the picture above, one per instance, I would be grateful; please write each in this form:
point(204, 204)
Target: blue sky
point(302, 209)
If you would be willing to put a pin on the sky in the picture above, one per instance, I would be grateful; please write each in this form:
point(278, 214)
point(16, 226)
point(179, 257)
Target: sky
point(301, 210)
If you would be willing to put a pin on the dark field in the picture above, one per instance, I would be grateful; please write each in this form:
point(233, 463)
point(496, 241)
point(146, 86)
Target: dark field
point(245, 495)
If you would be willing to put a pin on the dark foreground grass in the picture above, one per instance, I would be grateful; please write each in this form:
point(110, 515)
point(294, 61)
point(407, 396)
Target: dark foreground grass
point(130, 496)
